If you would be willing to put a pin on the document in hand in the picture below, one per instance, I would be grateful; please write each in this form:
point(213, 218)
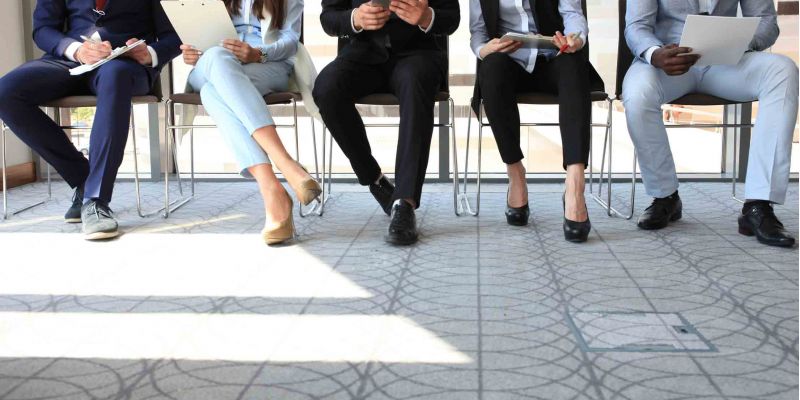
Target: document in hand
point(530, 40)
point(202, 24)
point(114, 54)
point(718, 40)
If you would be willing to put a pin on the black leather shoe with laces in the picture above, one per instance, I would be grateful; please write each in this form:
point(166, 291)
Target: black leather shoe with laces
point(758, 219)
point(661, 212)
point(98, 221)
point(383, 192)
point(403, 228)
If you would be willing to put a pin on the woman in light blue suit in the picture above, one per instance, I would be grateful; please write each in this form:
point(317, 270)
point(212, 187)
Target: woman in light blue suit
point(232, 80)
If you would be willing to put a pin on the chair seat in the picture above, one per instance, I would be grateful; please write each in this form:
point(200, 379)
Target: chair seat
point(547, 98)
point(272, 98)
point(700, 99)
point(389, 99)
point(91, 101)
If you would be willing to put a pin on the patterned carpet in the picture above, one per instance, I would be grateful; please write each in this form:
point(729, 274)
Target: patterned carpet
point(196, 307)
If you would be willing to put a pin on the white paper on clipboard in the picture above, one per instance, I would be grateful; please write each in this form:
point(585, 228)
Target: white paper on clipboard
point(200, 23)
point(718, 40)
point(530, 40)
point(80, 70)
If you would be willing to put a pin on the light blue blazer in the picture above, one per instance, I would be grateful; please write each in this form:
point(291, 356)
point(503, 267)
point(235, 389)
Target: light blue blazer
point(651, 23)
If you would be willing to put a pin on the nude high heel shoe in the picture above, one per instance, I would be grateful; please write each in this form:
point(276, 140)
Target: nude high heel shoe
point(283, 232)
point(307, 190)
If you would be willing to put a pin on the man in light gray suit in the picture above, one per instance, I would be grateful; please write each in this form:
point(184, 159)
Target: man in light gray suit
point(661, 74)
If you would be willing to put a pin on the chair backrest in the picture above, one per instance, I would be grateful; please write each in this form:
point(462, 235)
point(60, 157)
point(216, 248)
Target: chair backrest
point(442, 40)
point(624, 55)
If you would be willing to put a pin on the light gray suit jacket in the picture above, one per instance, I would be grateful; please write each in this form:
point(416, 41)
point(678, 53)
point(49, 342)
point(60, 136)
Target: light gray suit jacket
point(651, 23)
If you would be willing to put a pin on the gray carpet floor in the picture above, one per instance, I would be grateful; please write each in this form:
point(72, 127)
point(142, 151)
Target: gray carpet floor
point(196, 307)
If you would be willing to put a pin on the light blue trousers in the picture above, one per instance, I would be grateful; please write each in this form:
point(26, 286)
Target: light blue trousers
point(769, 78)
point(232, 95)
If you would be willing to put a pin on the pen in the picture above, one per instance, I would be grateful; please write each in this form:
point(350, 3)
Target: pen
point(88, 39)
point(566, 46)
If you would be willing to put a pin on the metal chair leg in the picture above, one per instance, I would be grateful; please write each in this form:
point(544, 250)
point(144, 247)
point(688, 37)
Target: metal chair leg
point(326, 181)
point(454, 155)
point(172, 149)
point(597, 197)
point(736, 138)
point(137, 184)
point(465, 206)
point(315, 209)
point(5, 179)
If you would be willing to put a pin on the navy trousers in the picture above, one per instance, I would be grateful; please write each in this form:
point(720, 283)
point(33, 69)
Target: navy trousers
point(115, 83)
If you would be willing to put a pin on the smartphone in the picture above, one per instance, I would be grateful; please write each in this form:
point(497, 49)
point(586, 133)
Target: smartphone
point(381, 3)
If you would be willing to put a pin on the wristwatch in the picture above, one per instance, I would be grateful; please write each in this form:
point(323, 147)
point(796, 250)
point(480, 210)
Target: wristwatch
point(263, 55)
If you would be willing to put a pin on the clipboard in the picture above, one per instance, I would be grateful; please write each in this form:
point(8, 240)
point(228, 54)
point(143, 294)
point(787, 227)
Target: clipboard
point(718, 40)
point(82, 69)
point(200, 23)
point(530, 41)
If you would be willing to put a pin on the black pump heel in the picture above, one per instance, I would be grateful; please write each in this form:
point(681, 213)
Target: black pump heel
point(574, 231)
point(517, 216)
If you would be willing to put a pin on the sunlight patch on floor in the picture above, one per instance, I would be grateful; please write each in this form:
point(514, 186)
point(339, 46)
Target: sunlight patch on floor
point(212, 265)
point(229, 337)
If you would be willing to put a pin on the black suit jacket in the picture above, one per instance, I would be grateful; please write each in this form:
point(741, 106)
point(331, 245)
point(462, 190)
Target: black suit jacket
point(370, 46)
point(548, 20)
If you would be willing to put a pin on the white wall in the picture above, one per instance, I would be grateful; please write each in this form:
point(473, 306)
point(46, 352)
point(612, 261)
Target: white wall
point(12, 49)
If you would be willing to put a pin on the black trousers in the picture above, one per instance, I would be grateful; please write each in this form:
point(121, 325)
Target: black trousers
point(414, 78)
point(566, 76)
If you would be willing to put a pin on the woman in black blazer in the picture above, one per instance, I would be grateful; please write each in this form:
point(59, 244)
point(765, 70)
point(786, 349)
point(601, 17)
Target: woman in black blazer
point(505, 69)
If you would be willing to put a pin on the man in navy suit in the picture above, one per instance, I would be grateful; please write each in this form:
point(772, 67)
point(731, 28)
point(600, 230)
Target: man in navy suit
point(57, 29)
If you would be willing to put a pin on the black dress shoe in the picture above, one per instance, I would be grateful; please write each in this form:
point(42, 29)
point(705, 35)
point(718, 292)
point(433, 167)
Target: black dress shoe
point(383, 191)
point(661, 212)
point(517, 216)
point(759, 220)
point(403, 228)
point(574, 231)
point(73, 215)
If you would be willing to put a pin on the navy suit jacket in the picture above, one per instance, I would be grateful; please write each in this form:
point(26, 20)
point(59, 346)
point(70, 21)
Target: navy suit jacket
point(59, 23)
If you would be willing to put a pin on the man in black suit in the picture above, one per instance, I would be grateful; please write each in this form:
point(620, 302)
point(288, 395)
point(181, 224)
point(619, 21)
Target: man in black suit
point(388, 51)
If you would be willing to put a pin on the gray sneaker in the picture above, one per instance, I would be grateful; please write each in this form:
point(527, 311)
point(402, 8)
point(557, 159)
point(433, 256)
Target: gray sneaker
point(73, 215)
point(98, 221)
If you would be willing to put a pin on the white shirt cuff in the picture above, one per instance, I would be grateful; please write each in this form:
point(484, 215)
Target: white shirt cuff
point(433, 17)
point(581, 36)
point(353, 22)
point(648, 54)
point(478, 52)
point(154, 56)
point(72, 51)
point(583, 39)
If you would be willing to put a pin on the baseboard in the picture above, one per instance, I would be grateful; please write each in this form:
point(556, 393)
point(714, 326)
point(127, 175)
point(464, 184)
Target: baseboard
point(20, 174)
point(787, 7)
